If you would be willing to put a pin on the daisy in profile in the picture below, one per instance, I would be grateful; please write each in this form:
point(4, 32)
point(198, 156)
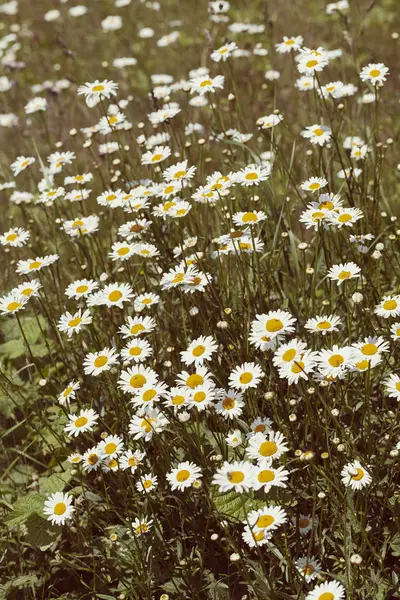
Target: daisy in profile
point(147, 483)
point(142, 526)
point(131, 460)
point(343, 272)
point(97, 362)
point(233, 476)
point(374, 73)
point(247, 375)
point(145, 426)
point(392, 386)
point(323, 324)
point(388, 307)
point(92, 459)
point(252, 175)
point(270, 445)
point(230, 404)
point(269, 121)
point(308, 567)
point(24, 267)
point(183, 476)
point(71, 324)
point(15, 237)
point(314, 184)
point(69, 393)
point(224, 52)
point(96, 91)
point(58, 508)
point(30, 288)
point(242, 219)
point(354, 475)
point(21, 163)
point(332, 590)
point(81, 288)
point(266, 476)
point(135, 326)
point(317, 134)
point(157, 155)
point(289, 43)
point(200, 350)
point(81, 423)
point(12, 303)
point(136, 350)
point(205, 84)
point(267, 518)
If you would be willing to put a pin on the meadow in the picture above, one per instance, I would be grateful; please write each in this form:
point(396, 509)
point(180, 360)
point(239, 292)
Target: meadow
point(200, 300)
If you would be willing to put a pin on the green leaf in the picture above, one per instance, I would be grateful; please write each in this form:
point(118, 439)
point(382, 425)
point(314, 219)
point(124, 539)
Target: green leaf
point(236, 506)
point(54, 483)
point(25, 507)
point(13, 348)
point(39, 533)
point(395, 545)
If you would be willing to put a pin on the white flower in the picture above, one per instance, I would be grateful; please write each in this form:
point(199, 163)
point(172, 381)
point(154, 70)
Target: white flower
point(374, 73)
point(58, 508)
point(96, 91)
point(183, 475)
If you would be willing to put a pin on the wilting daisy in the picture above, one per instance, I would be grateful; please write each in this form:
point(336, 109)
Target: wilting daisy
point(183, 476)
point(388, 307)
point(245, 376)
point(96, 91)
point(354, 475)
point(343, 272)
point(142, 526)
point(332, 590)
point(85, 421)
point(233, 476)
point(71, 324)
point(374, 73)
point(200, 350)
point(97, 362)
point(269, 445)
point(58, 508)
point(308, 567)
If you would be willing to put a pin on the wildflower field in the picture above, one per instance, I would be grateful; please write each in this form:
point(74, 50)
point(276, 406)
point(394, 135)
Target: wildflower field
point(200, 300)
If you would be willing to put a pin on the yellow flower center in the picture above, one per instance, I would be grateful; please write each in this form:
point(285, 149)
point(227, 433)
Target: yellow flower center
point(246, 378)
point(344, 275)
point(67, 391)
point(135, 351)
point(273, 325)
point(81, 289)
point(156, 157)
point(289, 355)
point(236, 476)
point(345, 218)
point(390, 305)
point(110, 448)
point(362, 365)
point(149, 395)
point(100, 361)
point(177, 400)
point(359, 475)
point(199, 350)
point(326, 596)
point(206, 82)
point(228, 403)
point(123, 251)
point(259, 428)
point(369, 349)
point(14, 306)
point(324, 325)
point(35, 264)
point(137, 381)
point(327, 204)
point(11, 237)
point(183, 475)
point(315, 186)
point(194, 380)
point(265, 521)
point(336, 360)
point(135, 329)
point(111, 197)
point(374, 73)
point(268, 449)
point(98, 88)
point(266, 476)
point(311, 63)
point(147, 483)
point(81, 421)
point(179, 174)
point(249, 217)
point(199, 397)
point(318, 216)
point(169, 189)
point(298, 367)
point(251, 176)
point(146, 424)
point(75, 322)
point(133, 461)
point(115, 296)
point(318, 131)
point(27, 291)
point(60, 508)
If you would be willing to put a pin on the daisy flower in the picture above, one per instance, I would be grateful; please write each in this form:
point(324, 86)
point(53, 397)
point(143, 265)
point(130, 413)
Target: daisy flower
point(266, 518)
point(269, 121)
point(147, 483)
point(305, 83)
point(254, 538)
point(234, 439)
point(179, 172)
point(58, 508)
point(97, 362)
point(332, 590)
point(224, 52)
point(24, 267)
point(260, 425)
point(289, 43)
point(21, 163)
point(131, 460)
point(92, 459)
point(266, 476)
point(343, 272)
point(111, 198)
point(135, 378)
point(230, 404)
point(73, 323)
point(145, 397)
point(136, 350)
point(111, 446)
point(203, 85)
point(155, 156)
point(247, 375)
point(299, 368)
point(199, 350)
point(392, 386)
point(115, 294)
point(183, 476)
point(306, 523)
point(314, 184)
point(81, 288)
point(395, 331)
point(371, 347)
point(287, 353)
point(273, 323)
point(142, 526)
point(68, 393)
point(242, 219)
point(374, 73)
point(311, 61)
point(121, 251)
point(308, 567)
point(344, 217)
point(323, 324)
point(30, 288)
point(135, 326)
point(355, 476)
point(177, 397)
point(233, 476)
point(252, 175)
point(96, 91)
point(269, 445)
point(85, 421)
point(202, 396)
point(388, 307)
point(12, 303)
point(333, 363)
point(317, 134)
point(145, 300)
